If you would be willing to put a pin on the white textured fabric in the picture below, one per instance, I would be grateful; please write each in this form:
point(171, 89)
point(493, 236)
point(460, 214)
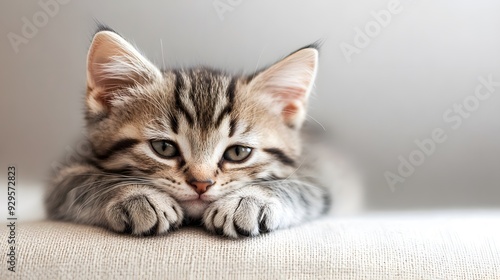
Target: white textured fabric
point(434, 245)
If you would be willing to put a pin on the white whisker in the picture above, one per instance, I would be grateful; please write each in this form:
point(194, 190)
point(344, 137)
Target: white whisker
point(162, 56)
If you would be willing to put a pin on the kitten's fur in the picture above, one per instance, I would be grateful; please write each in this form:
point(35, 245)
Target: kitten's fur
point(126, 187)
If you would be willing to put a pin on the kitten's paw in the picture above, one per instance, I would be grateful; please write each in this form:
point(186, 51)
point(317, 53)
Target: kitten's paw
point(244, 215)
point(142, 211)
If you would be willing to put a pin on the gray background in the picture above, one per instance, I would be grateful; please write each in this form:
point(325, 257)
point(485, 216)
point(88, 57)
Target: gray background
point(394, 91)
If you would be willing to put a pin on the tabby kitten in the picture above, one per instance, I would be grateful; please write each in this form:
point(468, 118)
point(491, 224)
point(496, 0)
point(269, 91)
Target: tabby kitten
point(191, 144)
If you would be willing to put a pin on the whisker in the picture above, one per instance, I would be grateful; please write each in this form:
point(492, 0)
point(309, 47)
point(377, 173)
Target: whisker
point(258, 60)
point(316, 121)
point(162, 56)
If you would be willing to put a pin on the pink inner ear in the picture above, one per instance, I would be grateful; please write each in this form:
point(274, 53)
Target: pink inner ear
point(289, 111)
point(292, 100)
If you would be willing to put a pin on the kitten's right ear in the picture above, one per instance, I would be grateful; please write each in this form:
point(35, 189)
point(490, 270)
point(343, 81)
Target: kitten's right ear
point(113, 65)
point(288, 83)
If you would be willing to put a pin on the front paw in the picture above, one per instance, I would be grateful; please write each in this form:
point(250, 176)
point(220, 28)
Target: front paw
point(142, 211)
point(244, 215)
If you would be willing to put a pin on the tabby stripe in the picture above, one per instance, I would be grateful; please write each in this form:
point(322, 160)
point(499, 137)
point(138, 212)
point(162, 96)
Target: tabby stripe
point(305, 202)
point(174, 124)
point(122, 145)
point(247, 129)
point(327, 203)
point(192, 85)
point(126, 170)
point(232, 127)
point(230, 91)
point(179, 85)
point(281, 156)
point(191, 94)
point(226, 111)
point(282, 194)
point(230, 100)
point(92, 118)
point(201, 82)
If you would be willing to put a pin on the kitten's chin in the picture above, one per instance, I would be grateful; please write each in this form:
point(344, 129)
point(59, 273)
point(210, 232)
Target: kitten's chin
point(194, 208)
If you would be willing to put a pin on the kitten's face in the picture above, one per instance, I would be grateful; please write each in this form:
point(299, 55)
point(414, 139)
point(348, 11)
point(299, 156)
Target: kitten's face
point(198, 134)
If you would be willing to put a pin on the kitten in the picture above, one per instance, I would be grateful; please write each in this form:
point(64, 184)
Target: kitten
point(199, 144)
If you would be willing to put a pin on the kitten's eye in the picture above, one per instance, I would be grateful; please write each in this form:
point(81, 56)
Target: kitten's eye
point(165, 148)
point(237, 153)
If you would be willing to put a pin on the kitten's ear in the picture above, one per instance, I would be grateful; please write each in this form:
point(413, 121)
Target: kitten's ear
point(114, 64)
point(289, 83)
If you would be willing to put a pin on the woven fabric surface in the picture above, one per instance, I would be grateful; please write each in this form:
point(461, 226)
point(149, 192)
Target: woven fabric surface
point(435, 245)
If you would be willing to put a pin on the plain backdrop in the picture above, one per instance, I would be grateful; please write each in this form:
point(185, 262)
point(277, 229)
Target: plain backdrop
point(391, 91)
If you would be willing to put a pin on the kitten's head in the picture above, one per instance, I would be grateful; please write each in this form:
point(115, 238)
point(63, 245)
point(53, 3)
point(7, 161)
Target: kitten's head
point(196, 133)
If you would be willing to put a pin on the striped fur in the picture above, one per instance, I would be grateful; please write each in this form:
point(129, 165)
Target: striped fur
point(126, 187)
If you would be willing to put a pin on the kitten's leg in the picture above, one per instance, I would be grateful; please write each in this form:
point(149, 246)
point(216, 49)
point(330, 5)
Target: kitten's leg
point(82, 193)
point(256, 209)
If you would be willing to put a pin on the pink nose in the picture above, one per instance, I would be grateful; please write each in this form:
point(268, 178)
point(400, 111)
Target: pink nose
point(201, 186)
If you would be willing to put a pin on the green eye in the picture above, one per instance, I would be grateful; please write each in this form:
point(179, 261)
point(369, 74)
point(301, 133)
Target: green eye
point(165, 148)
point(237, 153)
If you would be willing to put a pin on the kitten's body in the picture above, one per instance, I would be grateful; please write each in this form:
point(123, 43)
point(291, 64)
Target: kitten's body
point(198, 116)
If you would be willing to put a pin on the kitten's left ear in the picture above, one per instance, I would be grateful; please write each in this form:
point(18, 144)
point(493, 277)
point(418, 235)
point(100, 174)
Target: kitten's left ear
point(114, 64)
point(288, 83)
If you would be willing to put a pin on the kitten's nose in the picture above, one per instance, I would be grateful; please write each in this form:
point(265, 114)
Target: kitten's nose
point(201, 186)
